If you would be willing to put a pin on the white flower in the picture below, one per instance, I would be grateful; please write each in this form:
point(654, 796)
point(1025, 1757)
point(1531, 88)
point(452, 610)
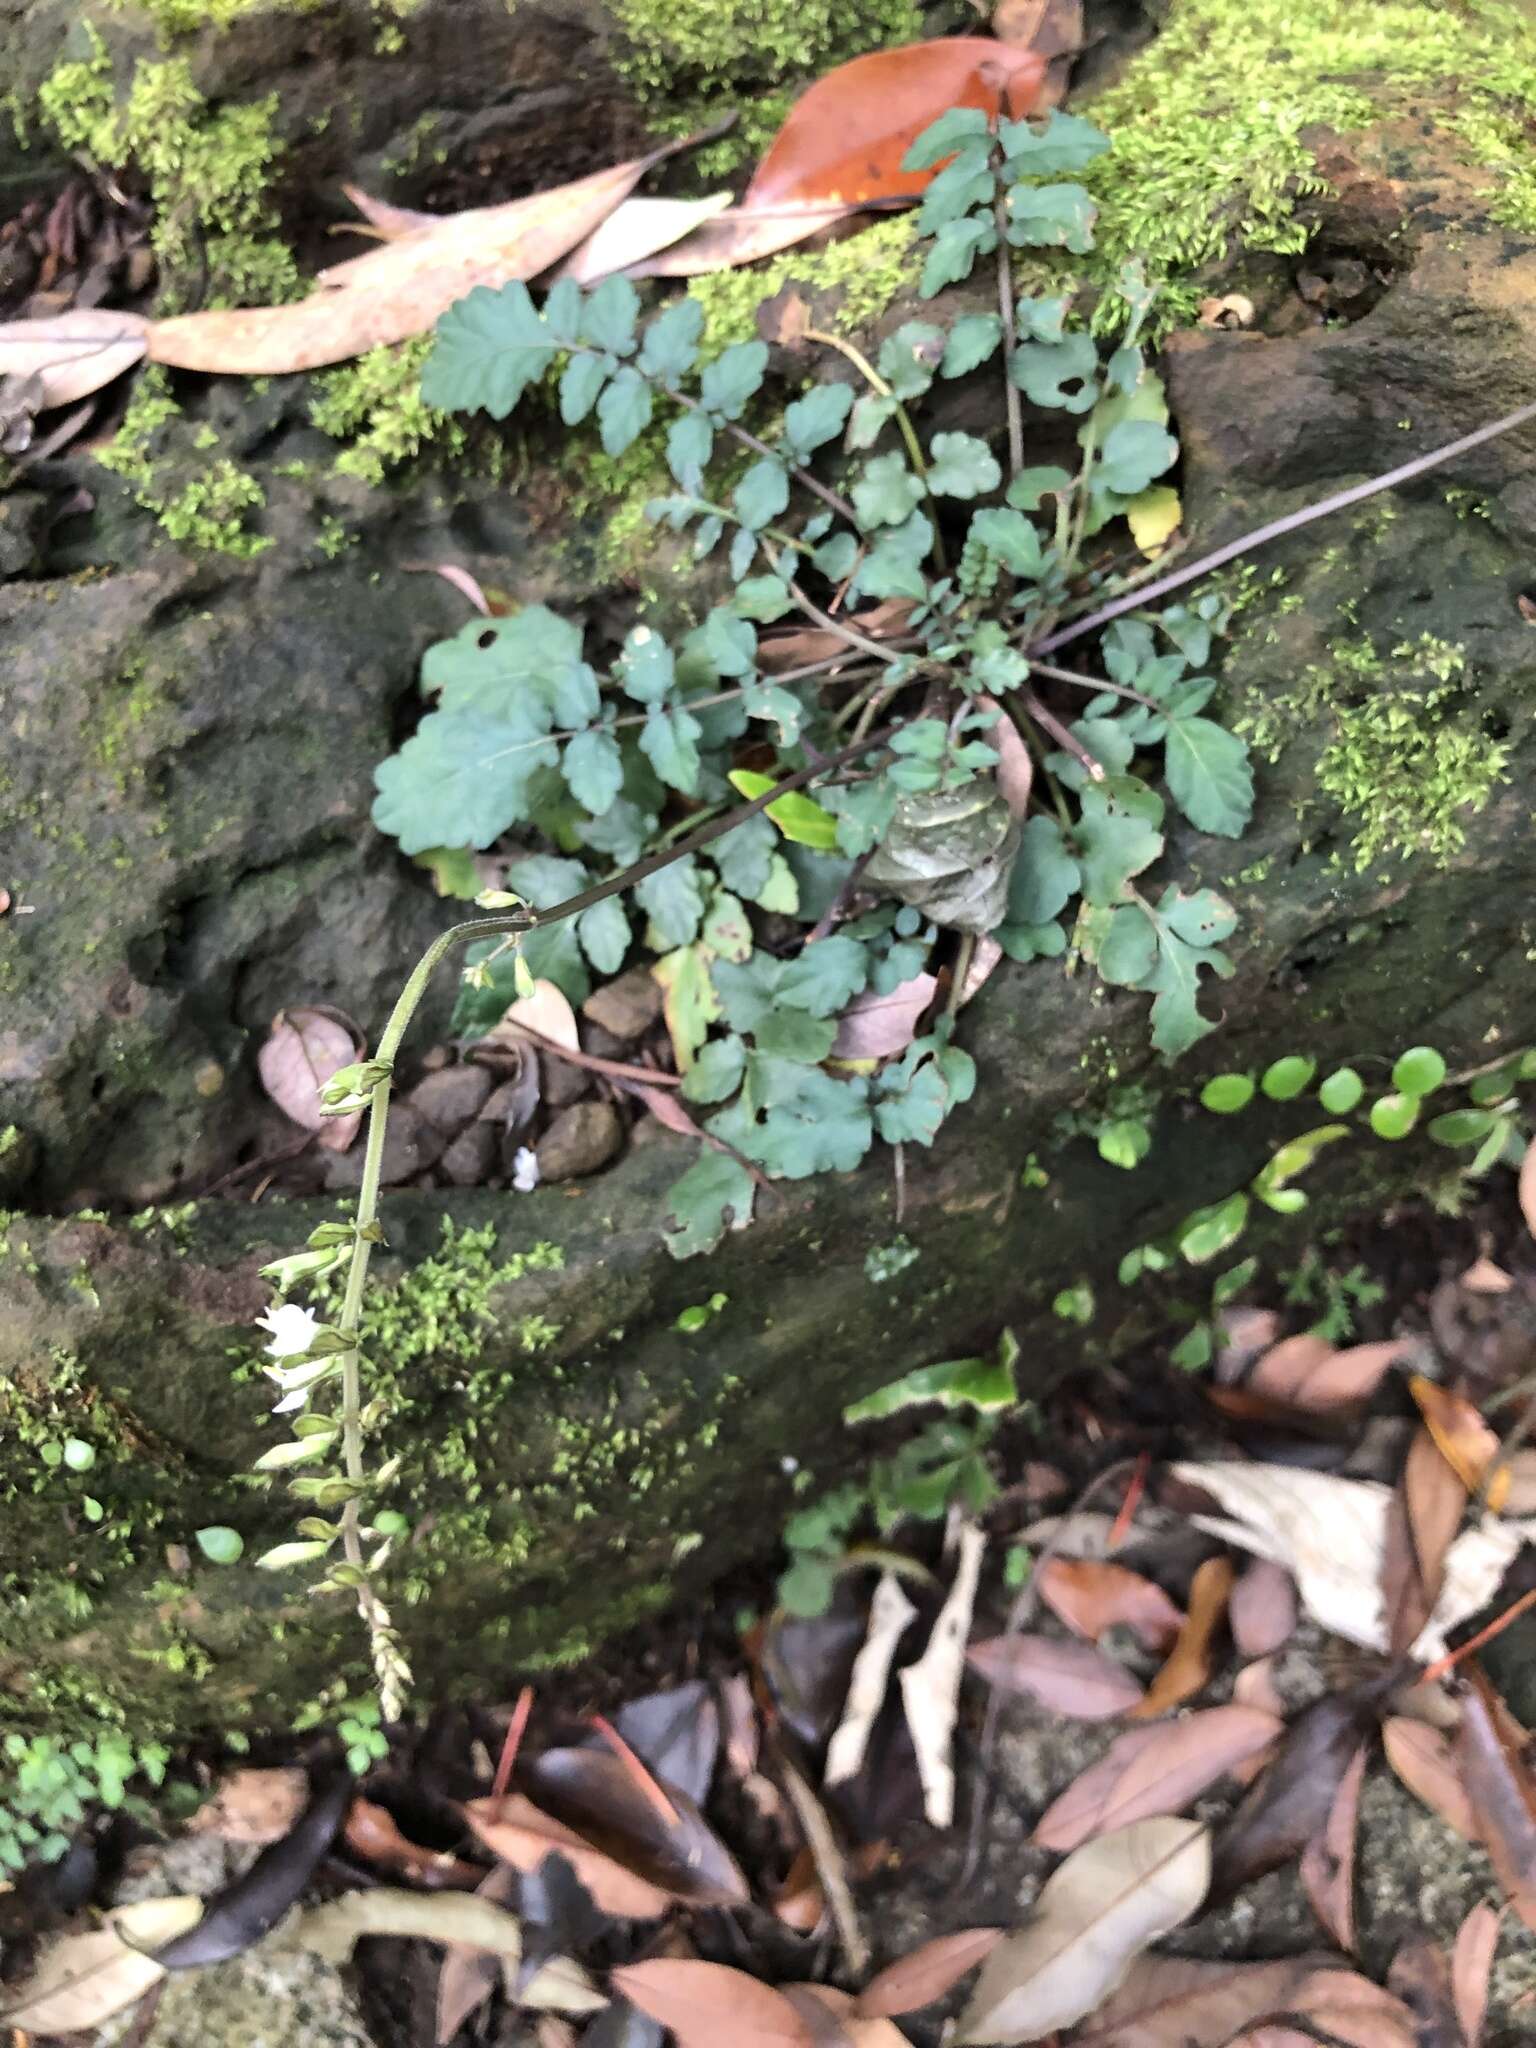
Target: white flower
point(299, 1398)
point(291, 1328)
point(525, 1170)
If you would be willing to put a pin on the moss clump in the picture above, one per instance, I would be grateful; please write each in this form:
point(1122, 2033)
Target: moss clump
point(1207, 123)
point(1402, 760)
point(214, 233)
point(375, 406)
point(700, 62)
point(203, 505)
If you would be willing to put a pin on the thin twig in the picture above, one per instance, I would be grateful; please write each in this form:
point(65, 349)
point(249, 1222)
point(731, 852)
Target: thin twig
point(748, 439)
point(1047, 719)
point(1067, 675)
point(840, 901)
point(831, 1867)
point(841, 628)
point(652, 1077)
point(1014, 397)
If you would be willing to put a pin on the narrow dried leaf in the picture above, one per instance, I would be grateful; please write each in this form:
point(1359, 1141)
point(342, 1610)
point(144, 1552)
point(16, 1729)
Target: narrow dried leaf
point(253, 1806)
point(1328, 1861)
point(1094, 1916)
point(1428, 1503)
point(370, 1832)
point(705, 2004)
point(514, 1829)
point(469, 1975)
point(930, 1688)
point(304, 1047)
point(1015, 769)
point(1070, 1678)
point(333, 1931)
point(1502, 1790)
point(1471, 1961)
point(1420, 1975)
point(73, 353)
point(846, 134)
point(916, 1980)
point(1262, 1610)
point(635, 230)
point(1168, 2002)
point(742, 234)
point(399, 289)
point(890, 1612)
point(1292, 1801)
point(799, 646)
point(1092, 1596)
point(834, 2021)
point(1528, 1187)
point(1311, 1374)
point(1465, 1441)
point(1342, 2008)
point(676, 1733)
point(1155, 1771)
point(85, 1978)
point(1189, 1663)
point(874, 1026)
point(1425, 1760)
point(388, 222)
point(547, 1011)
point(602, 1798)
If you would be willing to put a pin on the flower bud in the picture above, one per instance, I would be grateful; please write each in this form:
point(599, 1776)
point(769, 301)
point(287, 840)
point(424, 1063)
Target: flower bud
point(350, 1088)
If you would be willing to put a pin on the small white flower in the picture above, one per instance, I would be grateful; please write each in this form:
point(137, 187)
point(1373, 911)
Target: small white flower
point(299, 1398)
point(525, 1170)
point(292, 1329)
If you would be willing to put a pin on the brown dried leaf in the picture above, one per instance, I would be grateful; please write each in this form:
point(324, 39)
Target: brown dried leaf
point(468, 1976)
point(1189, 1663)
point(1420, 1975)
point(1502, 1791)
point(1471, 1961)
point(1168, 2002)
point(1341, 2008)
point(706, 2004)
point(1528, 1187)
point(370, 1832)
point(1425, 1760)
point(1015, 769)
point(1289, 1365)
point(1328, 1861)
point(1262, 1610)
point(514, 1829)
point(1427, 1505)
point(254, 1805)
point(916, 1980)
point(653, 1829)
point(1070, 1678)
point(1291, 1802)
point(1155, 1771)
point(73, 353)
point(1092, 1596)
point(834, 2022)
point(874, 1026)
point(1052, 29)
point(547, 1011)
point(304, 1047)
point(1300, 1372)
point(1465, 1441)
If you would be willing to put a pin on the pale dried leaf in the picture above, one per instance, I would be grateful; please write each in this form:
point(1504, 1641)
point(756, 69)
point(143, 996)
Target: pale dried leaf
point(560, 1985)
point(1528, 1187)
point(930, 1688)
point(890, 1611)
point(1169, 2002)
point(304, 1047)
point(874, 1026)
point(468, 1976)
point(254, 1805)
point(1471, 1961)
point(1094, 1916)
point(1155, 1771)
point(635, 230)
point(1071, 1678)
point(85, 1978)
point(1425, 1761)
point(1310, 1374)
point(1420, 1975)
point(916, 1980)
point(1500, 1785)
point(547, 1011)
point(73, 353)
point(467, 1918)
point(1254, 1686)
point(1015, 770)
point(1342, 2008)
point(740, 234)
point(1262, 1610)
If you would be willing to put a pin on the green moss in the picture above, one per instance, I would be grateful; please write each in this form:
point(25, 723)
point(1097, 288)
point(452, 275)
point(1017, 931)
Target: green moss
point(1207, 124)
point(868, 270)
point(1401, 758)
point(214, 232)
point(695, 63)
point(375, 406)
point(202, 504)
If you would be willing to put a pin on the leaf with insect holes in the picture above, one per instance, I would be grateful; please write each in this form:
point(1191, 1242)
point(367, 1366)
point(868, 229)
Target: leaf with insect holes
point(1094, 1915)
point(1061, 374)
point(713, 1196)
point(1116, 836)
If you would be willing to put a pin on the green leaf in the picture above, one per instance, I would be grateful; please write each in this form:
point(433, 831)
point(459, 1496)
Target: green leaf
point(781, 891)
point(488, 348)
point(1230, 1284)
point(870, 414)
point(1286, 1078)
point(953, 256)
point(1043, 371)
point(669, 741)
point(885, 492)
point(960, 466)
point(793, 1035)
point(1031, 487)
point(647, 669)
point(514, 668)
point(1051, 217)
point(797, 816)
point(1462, 1127)
point(593, 768)
point(609, 314)
point(972, 340)
point(552, 952)
point(1394, 1116)
point(1181, 957)
point(562, 310)
point(941, 138)
point(825, 976)
point(580, 384)
point(820, 416)
point(1341, 1091)
point(1045, 876)
point(909, 357)
point(1209, 775)
point(673, 900)
point(452, 870)
point(813, 1124)
point(805, 1590)
point(1209, 1232)
point(1133, 454)
point(763, 597)
point(671, 343)
point(1419, 1071)
point(1126, 948)
point(730, 643)
point(1041, 319)
point(1117, 836)
point(716, 1071)
point(220, 1545)
point(965, 184)
point(1227, 1093)
point(690, 443)
point(604, 934)
point(1193, 1352)
point(733, 379)
point(893, 566)
point(912, 1115)
point(689, 1000)
point(624, 411)
point(464, 776)
point(1125, 1142)
point(727, 929)
point(1012, 538)
point(1066, 142)
point(762, 493)
point(713, 1196)
point(745, 855)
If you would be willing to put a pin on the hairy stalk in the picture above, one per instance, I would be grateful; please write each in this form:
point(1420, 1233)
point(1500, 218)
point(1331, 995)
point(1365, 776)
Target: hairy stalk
point(1012, 395)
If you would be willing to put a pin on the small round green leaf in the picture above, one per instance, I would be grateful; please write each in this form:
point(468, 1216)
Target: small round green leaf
point(1341, 1091)
point(1210, 1231)
point(390, 1522)
point(1125, 1143)
point(78, 1456)
point(1287, 1078)
point(1419, 1071)
point(1394, 1116)
point(1495, 1086)
point(93, 1509)
point(1462, 1127)
point(1227, 1093)
point(219, 1544)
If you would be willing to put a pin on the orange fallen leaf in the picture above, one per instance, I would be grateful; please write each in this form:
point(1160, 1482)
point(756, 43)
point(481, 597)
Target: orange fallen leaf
point(706, 2004)
point(1425, 1761)
point(514, 1829)
point(1091, 1597)
point(1189, 1663)
point(1465, 1441)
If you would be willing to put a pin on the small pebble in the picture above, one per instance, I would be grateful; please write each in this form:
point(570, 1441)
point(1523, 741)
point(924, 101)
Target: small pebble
point(579, 1141)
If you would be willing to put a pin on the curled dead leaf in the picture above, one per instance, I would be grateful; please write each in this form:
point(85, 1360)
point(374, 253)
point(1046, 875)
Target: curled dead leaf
point(1189, 1663)
point(73, 353)
point(1093, 1596)
point(305, 1046)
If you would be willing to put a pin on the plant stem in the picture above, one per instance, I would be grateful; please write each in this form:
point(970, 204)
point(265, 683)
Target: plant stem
point(842, 630)
point(839, 504)
point(1067, 675)
point(1014, 397)
point(903, 418)
point(1049, 722)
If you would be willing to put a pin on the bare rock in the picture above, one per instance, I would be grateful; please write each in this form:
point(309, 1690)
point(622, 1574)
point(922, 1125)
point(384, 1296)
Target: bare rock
point(410, 1147)
point(563, 1082)
point(452, 1097)
point(579, 1141)
point(625, 1007)
point(471, 1158)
